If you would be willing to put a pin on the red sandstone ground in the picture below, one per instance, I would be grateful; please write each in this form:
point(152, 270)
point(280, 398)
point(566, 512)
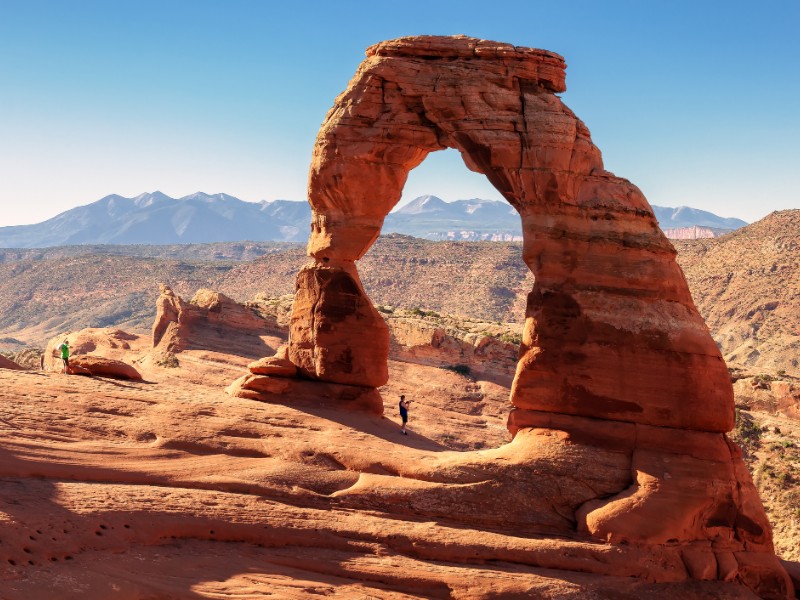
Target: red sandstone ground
point(169, 488)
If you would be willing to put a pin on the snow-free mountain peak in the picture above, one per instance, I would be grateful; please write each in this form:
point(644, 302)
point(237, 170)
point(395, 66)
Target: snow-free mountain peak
point(686, 216)
point(423, 204)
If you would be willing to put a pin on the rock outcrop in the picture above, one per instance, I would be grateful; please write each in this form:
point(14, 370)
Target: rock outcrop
point(424, 343)
point(104, 345)
point(614, 356)
point(764, 394)
point(29, 358)
point(209, 321)
point(103, 367)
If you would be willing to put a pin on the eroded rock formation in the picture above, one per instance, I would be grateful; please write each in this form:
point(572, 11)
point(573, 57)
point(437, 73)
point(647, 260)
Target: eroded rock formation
point(620, 395)
point(209, 321)
point(103, 351)
point(424, 343)
point(609, 300)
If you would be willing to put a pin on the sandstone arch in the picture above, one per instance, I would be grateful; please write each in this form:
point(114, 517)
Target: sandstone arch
point(611, 329)
point(621, 398)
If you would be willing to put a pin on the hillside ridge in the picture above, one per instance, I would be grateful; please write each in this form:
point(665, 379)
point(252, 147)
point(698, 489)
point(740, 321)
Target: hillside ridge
point(745, 284)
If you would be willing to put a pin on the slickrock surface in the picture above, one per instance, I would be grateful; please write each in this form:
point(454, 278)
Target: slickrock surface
point(171, 488)
point(130, 489)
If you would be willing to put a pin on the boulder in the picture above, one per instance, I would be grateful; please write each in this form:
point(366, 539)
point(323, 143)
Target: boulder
point(278, 365)
point(101, 366)
point(210, 321)
point(109, 342)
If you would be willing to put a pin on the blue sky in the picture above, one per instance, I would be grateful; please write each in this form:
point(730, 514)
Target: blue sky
point(698, 103)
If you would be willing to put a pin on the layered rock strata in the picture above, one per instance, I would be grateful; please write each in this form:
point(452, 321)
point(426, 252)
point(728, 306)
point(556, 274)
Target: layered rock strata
point(336, 333)
point(276, 378)
point(611, 328)
point(424, 343)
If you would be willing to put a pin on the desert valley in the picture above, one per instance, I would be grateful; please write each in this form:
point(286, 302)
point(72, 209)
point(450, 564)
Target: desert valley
point(597, 411)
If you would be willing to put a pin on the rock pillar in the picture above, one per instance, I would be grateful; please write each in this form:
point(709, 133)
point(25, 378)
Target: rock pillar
point(335, 332)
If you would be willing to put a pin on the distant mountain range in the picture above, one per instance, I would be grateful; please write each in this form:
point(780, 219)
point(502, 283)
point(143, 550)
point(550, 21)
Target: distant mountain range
point(155, 218)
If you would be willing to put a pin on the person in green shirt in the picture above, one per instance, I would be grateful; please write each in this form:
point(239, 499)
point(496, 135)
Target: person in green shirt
point(64, 348)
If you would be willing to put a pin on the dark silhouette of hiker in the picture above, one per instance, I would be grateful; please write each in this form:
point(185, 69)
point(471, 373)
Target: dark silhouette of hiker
point(404, 404)
point(64, 349)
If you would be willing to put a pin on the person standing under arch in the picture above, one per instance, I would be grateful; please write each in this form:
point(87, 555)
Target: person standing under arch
point(404, 404)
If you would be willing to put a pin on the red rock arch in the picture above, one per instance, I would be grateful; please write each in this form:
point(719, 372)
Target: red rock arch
point(611, 329)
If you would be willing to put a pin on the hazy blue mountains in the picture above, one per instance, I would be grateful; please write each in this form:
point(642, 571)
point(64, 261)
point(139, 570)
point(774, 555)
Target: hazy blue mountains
point(684, 216)
point(156, 219)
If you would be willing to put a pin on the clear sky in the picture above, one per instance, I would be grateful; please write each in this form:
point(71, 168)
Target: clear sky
point(697, 102)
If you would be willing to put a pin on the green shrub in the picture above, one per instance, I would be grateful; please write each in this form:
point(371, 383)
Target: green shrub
point(511, 338)
point(460, 369)
point(746, 432)
point(168, 361)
